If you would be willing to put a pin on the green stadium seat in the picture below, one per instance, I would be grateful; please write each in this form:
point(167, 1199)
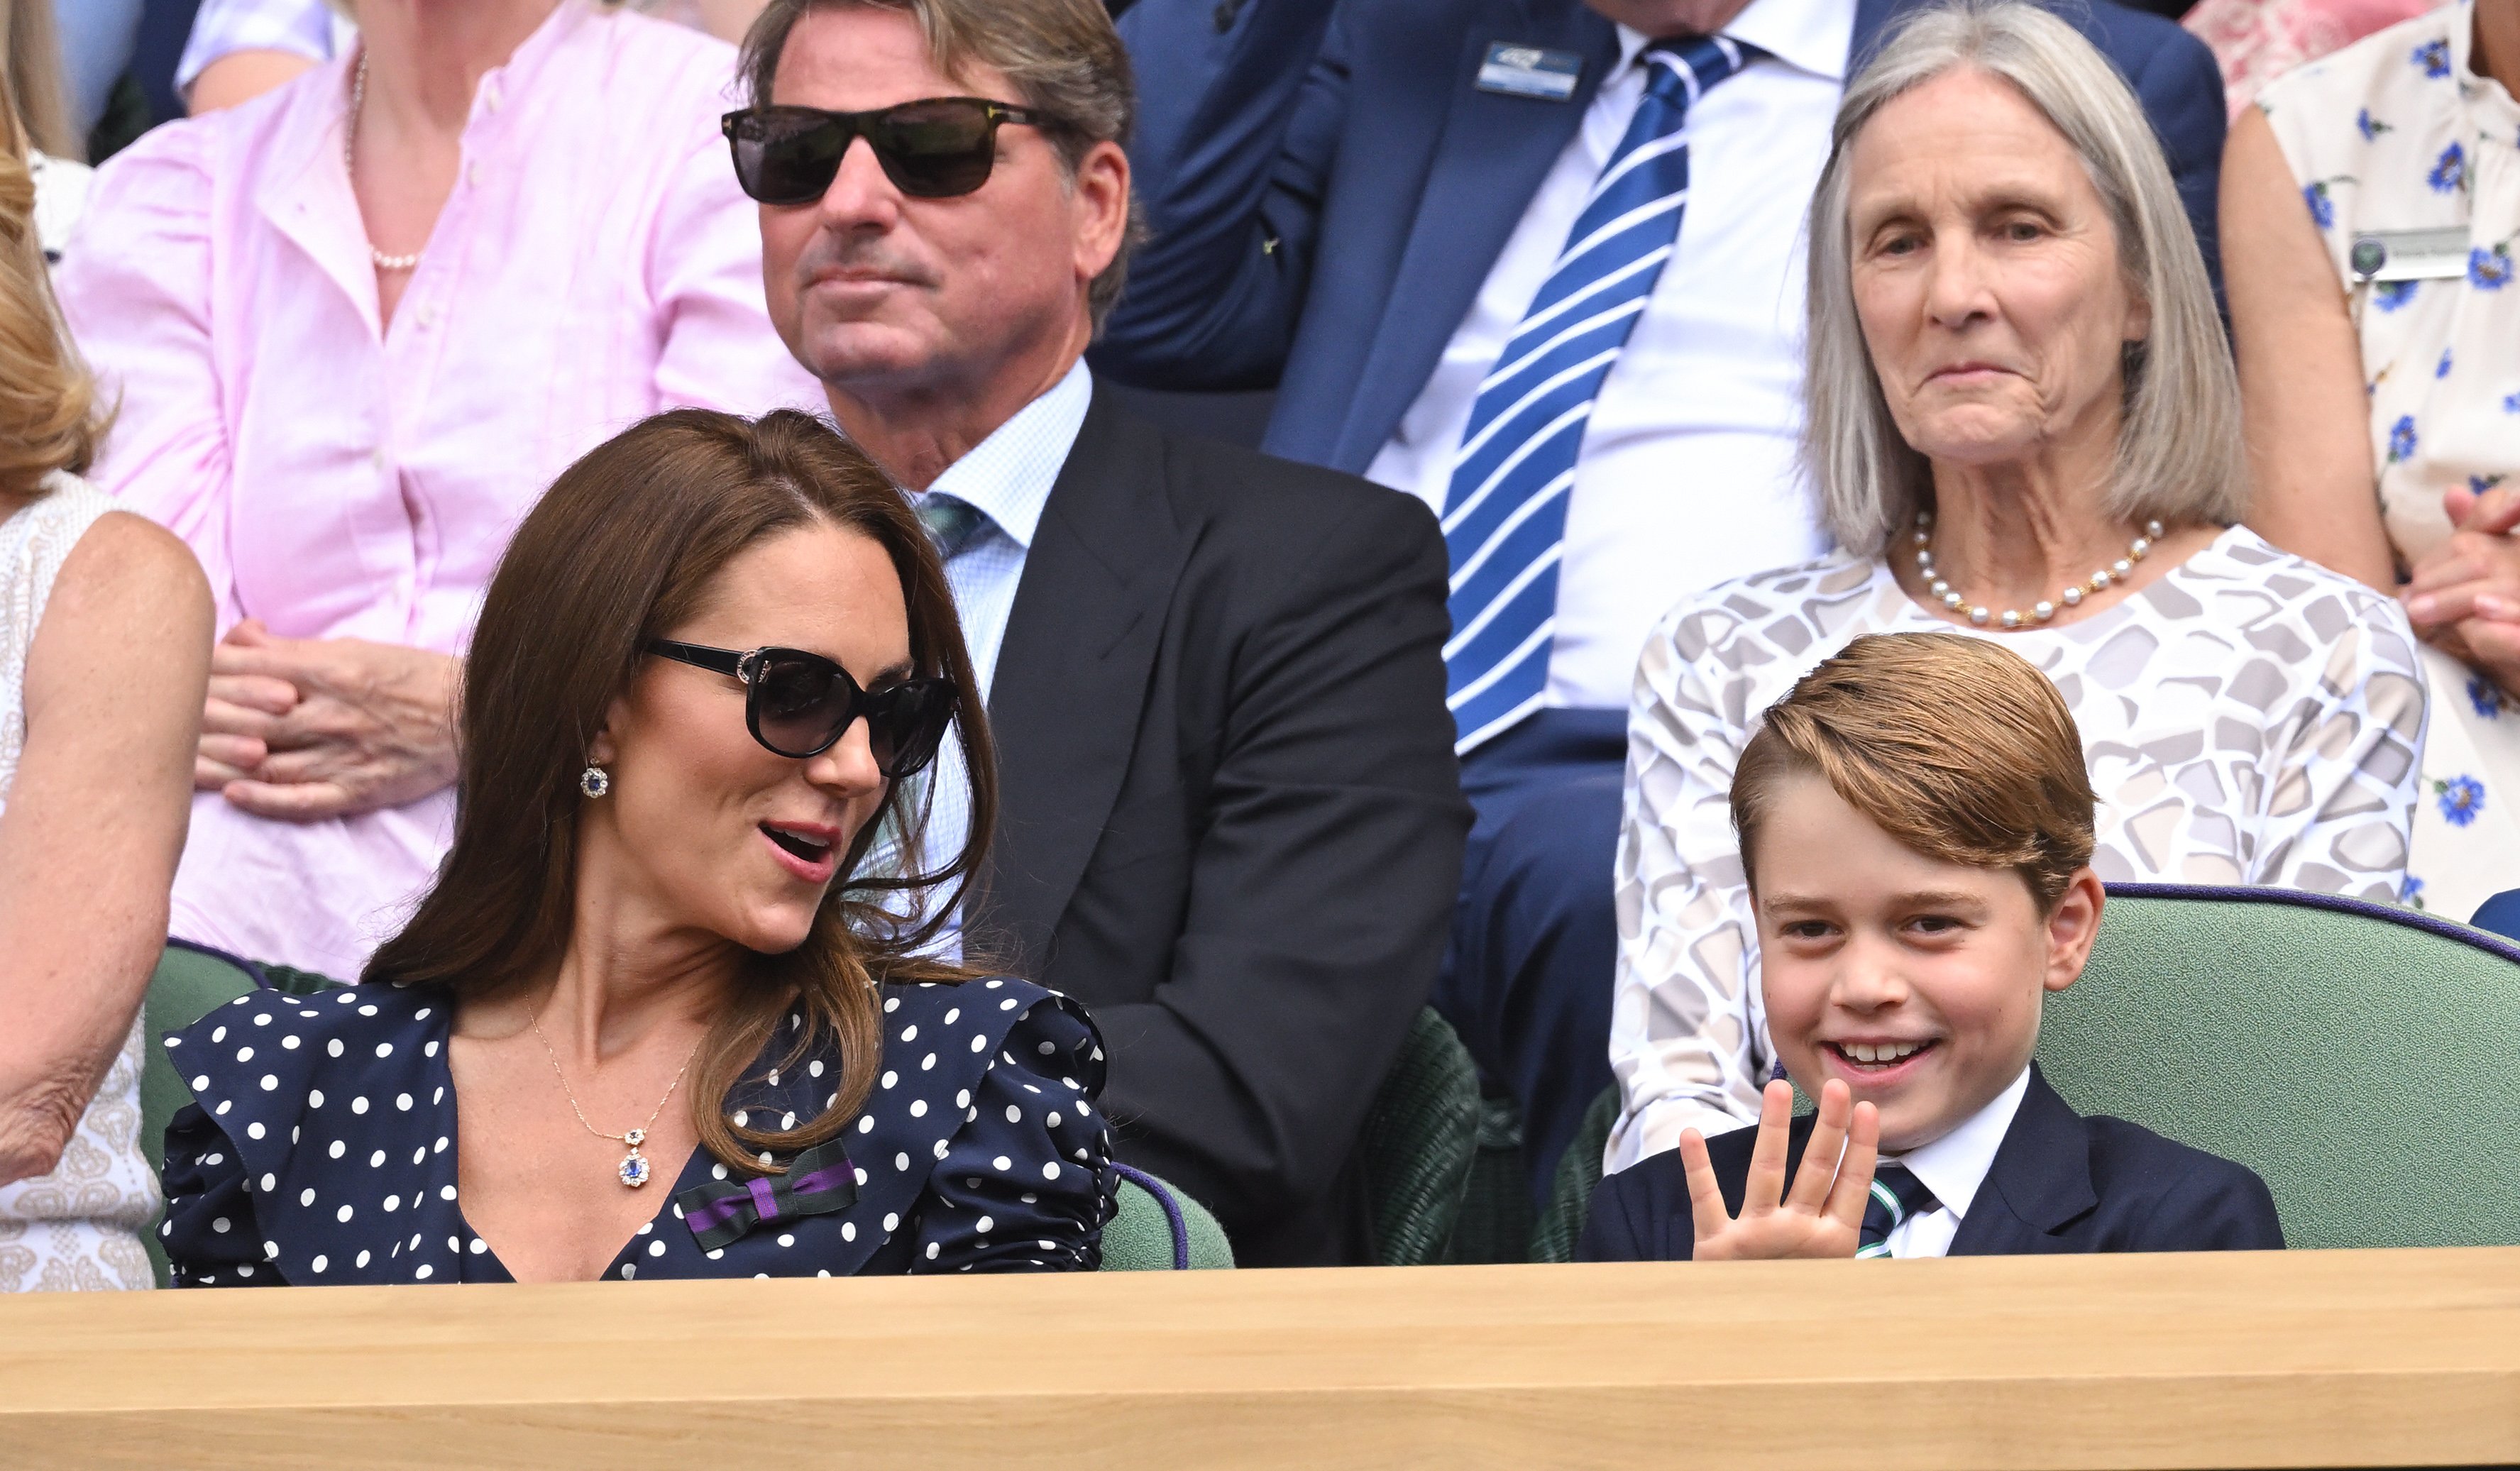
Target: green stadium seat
point(1418, 1142)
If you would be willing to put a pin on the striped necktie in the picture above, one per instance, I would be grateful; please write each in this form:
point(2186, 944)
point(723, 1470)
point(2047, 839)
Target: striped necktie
point(1897, 1195)
point(1504, 514)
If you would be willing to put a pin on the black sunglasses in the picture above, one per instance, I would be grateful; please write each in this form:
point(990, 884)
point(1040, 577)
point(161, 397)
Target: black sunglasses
point(935, 148)
point(799, 704)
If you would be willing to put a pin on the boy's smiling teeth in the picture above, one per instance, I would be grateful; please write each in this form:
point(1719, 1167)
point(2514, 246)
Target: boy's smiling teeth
point(1885, 1051)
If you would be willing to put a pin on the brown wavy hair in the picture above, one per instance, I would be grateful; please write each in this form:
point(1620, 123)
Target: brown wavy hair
point(1955, 746)
point(49, 418)
point(621, 550)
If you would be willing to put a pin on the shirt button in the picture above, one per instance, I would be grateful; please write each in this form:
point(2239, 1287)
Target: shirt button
point(473, 175)
point(428, 315)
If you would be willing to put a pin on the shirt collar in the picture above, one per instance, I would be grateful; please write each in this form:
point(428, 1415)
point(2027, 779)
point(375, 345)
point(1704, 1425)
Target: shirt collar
point(1954, 1166)
point(1808, 35)
point(1008, 476)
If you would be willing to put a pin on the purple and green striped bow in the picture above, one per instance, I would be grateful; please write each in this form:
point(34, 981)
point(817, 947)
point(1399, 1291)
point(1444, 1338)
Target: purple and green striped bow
point(820, 1181)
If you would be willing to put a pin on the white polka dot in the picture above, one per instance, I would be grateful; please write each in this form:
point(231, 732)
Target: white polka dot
point(271, 1251)
point(1050, 1169)
point(253, 1130)
point(761, 1276)
point(478, 1246)
point(717, 1172)
point(245, 1272)
point(927, 1063)
point(629, 1270)
point(787, 1121)
point(1015, 1114)
point(367, 1010)
point(1003, 1163)
point(1083, 1108)
point(826, 1272)
point(292, 1133)
point(340, 1148)
point(765, 1156)
point(306, 1198)
point(224, 1105)
point(363, 1256)
point(919, 1108)
point(220, 1225)
point(451, 1243)
point(359, 1104)
point(393, 1203)
point(212, 1159)
point(269, 1183)
point(384, 1049)
point(861, 1175)
point(318, 1263)
point(743, 1119)
point(289, 1044)
point(244, 1055)
point(437, 1097)
point(343, 1214)
point(892, 1221)
point(269, 1083)
point(421, 1015)
point(419, 1156)
point(1047, 1048)
point(446, 1192)
point(786, 1240)
point(1009, 1005)
point(814, 1069)
point(424, 1269)
point(866, 1124)
point(403, 1101)
point(375, 1159)
point(315, 1097)
point(333, 1047)
point(891, 1003)
point(987, 1223)
point(1052, 1121)
point(717, 1255)
point(952, 1014)
point(174, 1042)
point(901, 1161)
point(440, 1146)
point(889, 1080)
point(962, 1099)
point(848, 1230)
point(655, 1248)
point(429, 1051)
point(931, 1250)
point(218, 1035)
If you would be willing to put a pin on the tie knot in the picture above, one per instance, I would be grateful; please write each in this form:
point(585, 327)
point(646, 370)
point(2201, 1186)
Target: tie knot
point(952, 522)
point(1679, 70)
point(1897, 1194)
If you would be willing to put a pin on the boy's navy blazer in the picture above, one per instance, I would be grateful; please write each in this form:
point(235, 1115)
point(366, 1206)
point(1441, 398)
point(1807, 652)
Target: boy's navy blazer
point(2060, 1182)
point(1328, 186)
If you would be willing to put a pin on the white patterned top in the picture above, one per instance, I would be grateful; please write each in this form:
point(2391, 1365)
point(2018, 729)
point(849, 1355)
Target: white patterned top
point(2249, 718)
point(78, 1228)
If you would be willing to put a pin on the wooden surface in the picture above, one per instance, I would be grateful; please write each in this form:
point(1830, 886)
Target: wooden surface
point(2307, 1358)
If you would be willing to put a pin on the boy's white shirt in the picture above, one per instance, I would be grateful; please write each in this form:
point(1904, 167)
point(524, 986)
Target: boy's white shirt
point(1953, 1167)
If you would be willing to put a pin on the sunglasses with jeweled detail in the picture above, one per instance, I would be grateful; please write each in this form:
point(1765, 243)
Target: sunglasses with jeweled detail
point(799, 704)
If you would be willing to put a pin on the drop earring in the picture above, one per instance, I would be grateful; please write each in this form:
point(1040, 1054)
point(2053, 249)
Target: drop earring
point(595, 782)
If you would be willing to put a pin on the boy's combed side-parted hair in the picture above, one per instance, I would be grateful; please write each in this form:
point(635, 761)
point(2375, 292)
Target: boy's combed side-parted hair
point(1955, 746)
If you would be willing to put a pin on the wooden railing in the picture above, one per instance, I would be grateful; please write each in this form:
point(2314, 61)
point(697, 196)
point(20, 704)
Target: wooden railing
point(2359, 1359)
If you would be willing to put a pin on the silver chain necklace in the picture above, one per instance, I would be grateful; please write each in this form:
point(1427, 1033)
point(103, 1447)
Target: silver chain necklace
point(1980, 615)
point(350, 161)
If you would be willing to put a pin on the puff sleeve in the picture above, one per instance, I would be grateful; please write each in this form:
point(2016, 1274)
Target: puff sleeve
point(1026, 1184)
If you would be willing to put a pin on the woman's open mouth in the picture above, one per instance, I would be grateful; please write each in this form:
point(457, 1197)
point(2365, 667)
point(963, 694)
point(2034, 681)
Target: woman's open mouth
point(808, 852)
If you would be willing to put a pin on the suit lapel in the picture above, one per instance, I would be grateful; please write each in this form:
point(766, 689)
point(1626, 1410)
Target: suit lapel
point(2041, 1180)
point(1072, 674)
point(1490, 157)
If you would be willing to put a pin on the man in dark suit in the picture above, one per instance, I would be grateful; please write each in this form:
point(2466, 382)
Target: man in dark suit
point(1376, 208)
point(2059, 1183)
point(1229, 821)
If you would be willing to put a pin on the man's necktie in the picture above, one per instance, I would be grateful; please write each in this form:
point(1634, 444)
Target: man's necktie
point(1504, 514)
point(951, 522)
point(1896, 1196)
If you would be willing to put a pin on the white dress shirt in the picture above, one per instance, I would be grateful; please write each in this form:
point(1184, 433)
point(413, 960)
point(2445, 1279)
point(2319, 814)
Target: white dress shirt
point(1952, 1167)
point(1008, 478)
point(1688, 474)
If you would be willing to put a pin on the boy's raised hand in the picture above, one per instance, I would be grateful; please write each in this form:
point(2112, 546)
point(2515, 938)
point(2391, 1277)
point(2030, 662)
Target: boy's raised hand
point(1822, 1215)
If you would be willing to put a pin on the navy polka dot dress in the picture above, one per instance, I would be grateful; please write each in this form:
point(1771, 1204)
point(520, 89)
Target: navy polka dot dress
point(320, 1148)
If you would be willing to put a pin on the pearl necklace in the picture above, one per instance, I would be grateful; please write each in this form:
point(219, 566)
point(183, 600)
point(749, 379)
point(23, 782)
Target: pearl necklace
point(2040, 612)
point(350, 162)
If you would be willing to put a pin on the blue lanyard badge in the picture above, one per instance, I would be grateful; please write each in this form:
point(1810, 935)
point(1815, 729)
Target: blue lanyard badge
point(1530, 71)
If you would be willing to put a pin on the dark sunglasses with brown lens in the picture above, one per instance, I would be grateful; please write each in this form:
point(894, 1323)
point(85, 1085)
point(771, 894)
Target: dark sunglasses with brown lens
point(933, 148)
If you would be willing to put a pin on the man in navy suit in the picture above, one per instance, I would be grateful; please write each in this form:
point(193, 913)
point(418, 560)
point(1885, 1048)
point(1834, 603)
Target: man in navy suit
point(1917, 827)
point(1393, 212)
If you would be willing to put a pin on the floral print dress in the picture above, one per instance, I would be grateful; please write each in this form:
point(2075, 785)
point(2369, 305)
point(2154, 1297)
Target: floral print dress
point(2398, 132)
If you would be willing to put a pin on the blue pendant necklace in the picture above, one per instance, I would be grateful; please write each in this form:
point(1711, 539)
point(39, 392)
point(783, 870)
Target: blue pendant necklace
point(633, 1169)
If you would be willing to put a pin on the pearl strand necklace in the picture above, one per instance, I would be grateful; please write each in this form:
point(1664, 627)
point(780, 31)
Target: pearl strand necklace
point(350, 161)
point(1979, 615)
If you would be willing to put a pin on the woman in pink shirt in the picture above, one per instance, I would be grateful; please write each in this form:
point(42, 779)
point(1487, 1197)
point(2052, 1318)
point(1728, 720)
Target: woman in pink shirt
point(355, 327)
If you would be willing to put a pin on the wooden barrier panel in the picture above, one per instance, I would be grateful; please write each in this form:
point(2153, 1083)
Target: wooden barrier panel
point(2361, 1358)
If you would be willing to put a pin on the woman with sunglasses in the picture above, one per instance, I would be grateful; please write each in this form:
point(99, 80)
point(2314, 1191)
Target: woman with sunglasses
point(354, 328)
point(690, 1032)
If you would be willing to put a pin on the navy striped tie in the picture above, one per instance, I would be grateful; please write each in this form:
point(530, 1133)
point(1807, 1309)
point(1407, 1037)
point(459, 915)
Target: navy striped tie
point(1897, 1194)
point(1504, 516)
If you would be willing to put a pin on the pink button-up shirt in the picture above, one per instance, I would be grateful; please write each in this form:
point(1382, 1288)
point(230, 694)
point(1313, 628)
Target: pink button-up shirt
point(595, 264)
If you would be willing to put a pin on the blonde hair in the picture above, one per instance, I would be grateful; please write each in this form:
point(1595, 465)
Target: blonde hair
point(35, 78)
point(2178, 452)
point(1954, 747)
point(49, 420)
